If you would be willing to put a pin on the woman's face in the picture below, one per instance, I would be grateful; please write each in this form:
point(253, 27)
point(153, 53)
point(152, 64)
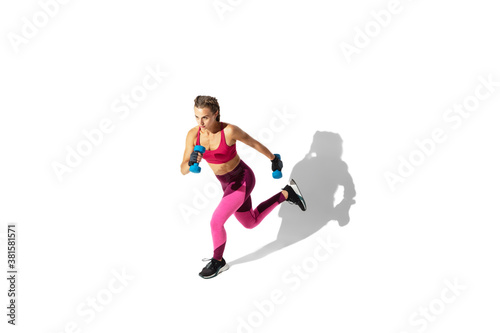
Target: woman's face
point(204, 117)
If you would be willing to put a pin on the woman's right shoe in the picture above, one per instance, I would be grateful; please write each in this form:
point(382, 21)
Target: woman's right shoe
point(294, 195)
point(213, 268)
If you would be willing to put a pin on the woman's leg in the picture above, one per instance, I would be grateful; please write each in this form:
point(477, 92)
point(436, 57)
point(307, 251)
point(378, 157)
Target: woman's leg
point(250, 218)
point(234, 196)
point(237, 186)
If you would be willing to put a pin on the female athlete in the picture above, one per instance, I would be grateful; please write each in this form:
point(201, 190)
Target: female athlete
point(235, 176)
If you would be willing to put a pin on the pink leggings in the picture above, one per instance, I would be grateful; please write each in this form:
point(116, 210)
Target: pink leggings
point(237, 186)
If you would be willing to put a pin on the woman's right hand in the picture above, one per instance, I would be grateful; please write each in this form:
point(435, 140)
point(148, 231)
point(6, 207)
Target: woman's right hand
point(195, 157)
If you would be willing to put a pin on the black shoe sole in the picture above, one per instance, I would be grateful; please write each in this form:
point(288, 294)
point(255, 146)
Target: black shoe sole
point(296, 189)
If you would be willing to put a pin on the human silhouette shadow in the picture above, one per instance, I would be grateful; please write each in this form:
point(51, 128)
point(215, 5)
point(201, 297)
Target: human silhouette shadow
point(318, 176)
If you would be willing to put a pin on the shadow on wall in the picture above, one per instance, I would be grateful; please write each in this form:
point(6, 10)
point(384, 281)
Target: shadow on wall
point(318, 176)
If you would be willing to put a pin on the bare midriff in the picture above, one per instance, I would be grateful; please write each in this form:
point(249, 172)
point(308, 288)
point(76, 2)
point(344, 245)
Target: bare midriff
point(223, 168)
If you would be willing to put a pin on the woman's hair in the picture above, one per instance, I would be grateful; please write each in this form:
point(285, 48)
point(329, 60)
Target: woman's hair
point(209, 102)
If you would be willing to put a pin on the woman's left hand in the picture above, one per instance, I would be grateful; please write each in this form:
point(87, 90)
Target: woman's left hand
point(277, 164)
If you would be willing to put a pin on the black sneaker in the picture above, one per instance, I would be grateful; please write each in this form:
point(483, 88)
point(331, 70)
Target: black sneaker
point(213, 268)
point(294, 195)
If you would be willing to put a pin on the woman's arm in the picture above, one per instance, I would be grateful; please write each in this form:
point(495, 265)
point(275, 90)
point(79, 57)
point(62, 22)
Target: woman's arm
point(240, 135)
point(187, 152)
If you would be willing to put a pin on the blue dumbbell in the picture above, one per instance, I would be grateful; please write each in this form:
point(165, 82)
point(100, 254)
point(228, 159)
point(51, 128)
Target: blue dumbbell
point(195, 168)
point(276, 173)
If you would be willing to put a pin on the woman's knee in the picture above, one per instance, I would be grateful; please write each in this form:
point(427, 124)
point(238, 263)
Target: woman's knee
point(217, 223)
point(248, 225)
point(246, 219)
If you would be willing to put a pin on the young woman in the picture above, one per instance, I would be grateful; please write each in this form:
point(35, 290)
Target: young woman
point(236, 178)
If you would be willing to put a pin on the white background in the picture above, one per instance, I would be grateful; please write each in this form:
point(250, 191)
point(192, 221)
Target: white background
point(120, 209)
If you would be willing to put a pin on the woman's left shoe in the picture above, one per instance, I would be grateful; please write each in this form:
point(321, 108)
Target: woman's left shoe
point(294, 195)
point(213, 268)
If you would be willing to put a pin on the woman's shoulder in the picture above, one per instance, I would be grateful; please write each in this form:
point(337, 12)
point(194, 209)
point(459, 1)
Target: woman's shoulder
point(193, 132)
point(234, 130)
point(227, 127)
point(232, 133)
point(194, 129)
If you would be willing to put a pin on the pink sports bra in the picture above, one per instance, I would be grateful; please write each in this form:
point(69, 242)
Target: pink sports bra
point(223, 153)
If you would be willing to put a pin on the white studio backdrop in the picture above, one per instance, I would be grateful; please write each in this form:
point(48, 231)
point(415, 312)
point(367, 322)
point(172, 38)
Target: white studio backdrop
point(97, 99)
